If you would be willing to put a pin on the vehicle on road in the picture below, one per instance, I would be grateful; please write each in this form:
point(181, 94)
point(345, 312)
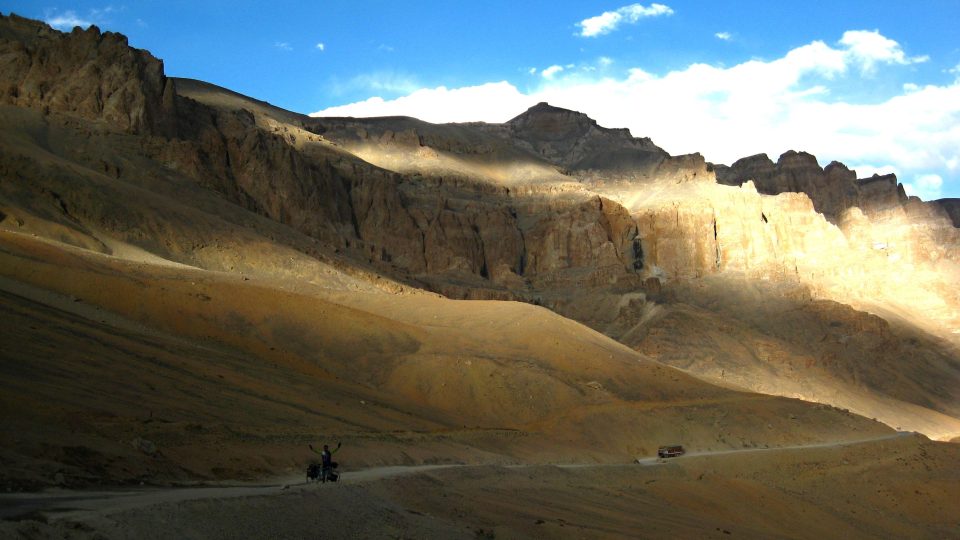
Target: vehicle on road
point(316, 473)
point(670, 450)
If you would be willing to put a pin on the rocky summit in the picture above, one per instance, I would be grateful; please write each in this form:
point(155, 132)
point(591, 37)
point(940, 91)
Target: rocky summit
point(196, 283)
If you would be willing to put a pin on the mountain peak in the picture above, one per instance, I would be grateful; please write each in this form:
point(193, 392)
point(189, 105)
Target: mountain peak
point(545, 107)
point(552, 120)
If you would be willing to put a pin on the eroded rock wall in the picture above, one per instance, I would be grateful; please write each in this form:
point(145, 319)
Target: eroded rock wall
point(405, 224)
point(832, 189)
point(86, 73)
point(723, 229)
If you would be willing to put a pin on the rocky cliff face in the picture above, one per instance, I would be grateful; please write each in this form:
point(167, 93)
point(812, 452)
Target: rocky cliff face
point(832, 189)
point(575, 142)
point(417, 227)
point(905, 228)
point(603, 227)
point(952, 208)
point(547, 200)
point(93, 75)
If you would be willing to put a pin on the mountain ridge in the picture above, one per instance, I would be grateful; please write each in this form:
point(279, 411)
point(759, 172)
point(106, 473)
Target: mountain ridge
point(690, 295)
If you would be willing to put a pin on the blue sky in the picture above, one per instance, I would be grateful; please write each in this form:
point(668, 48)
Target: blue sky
point(873, 84)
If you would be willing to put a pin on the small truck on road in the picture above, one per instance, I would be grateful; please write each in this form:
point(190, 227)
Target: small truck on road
point(670, 450)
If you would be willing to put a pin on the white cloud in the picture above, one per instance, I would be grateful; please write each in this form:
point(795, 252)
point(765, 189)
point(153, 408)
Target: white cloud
point(608, 21)
point(282, 45)
point(551, 72)
point(926, 186)
point(730, 112)
point(725, 36)
point(321, 46)
point(605, 61)
point(491, 102)
point(866, 171)
point(870, 48)
point(532, 71)
point(67, 21)
point(384, 81)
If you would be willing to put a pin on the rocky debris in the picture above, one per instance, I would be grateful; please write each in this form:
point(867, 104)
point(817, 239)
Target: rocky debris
point(86, 73)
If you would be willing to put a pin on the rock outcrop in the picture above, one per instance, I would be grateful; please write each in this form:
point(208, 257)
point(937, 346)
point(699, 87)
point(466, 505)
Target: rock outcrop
point(93, 75)
point(417, 228)
point(575, 142)
point(832, 189)
point(549, 207)
point(952, 208)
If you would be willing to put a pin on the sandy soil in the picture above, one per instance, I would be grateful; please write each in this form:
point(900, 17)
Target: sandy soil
point(525, 436)
point(174, 338)
point(899, 487)
point(121, 362)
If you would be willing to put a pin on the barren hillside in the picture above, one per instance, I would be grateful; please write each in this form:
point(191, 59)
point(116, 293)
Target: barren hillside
point(196, 284)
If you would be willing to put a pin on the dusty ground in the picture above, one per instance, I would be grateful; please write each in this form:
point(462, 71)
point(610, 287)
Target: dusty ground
point(775, 339)
point(182, 315)
point(110, 389)
point(147, 372)
point(904, 487)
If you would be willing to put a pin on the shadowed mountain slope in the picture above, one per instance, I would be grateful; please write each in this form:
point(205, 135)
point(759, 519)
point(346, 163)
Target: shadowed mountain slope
point(197, 269)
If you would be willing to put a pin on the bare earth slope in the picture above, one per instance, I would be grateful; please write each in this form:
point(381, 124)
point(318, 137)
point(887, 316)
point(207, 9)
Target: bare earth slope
point(196, 284)
point(193, 361)
point(901, 487)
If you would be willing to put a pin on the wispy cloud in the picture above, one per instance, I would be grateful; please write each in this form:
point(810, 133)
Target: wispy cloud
point(283, 45)
point(321, 46)
point(387, 82)
point(757, 106)
point(551, 72)
point(67, 20)
point(608, 21)
point(926, 186)
point(724, 36)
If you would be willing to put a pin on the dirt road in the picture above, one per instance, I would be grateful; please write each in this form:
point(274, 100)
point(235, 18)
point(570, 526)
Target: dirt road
point(655, 460)
point(72, 504)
